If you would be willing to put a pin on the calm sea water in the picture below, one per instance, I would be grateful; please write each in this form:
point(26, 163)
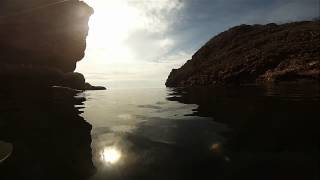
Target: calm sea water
point(251, 132)
point(248, 132)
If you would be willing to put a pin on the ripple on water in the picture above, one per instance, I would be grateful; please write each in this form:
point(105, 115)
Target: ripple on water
point(5, 150)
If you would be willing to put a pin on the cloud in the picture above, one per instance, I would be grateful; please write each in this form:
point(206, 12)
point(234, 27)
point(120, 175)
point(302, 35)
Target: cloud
point(188, 24)
point(145, 39)
point(152, 39)
point(157, 15)
point(200, 20)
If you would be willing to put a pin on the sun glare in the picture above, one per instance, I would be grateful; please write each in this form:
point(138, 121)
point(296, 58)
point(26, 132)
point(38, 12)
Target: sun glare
point(110, 26)
point(127, 40)
point(110, 155)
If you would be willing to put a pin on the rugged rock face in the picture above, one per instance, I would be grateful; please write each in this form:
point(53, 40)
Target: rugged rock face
point(49, 34)
point(251, 53)
point(42, 40)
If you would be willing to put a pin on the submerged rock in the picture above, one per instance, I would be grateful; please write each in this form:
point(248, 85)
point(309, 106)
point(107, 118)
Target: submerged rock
point(251, 53)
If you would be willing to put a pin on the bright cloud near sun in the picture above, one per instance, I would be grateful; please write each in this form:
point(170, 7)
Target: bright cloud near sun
point(127, 37)
point(110, 26)
point(142, 40)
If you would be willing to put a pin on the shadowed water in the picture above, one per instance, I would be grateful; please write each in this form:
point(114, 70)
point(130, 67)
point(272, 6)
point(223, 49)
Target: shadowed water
point(248, 132)
point(42, 135)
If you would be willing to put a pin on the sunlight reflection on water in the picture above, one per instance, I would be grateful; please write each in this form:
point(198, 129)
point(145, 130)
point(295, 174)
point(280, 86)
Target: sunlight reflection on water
point(174, 133)
point(110, 155)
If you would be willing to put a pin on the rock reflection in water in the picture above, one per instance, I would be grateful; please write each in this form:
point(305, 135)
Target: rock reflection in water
point(161, 143)
point(275, 128)
point(50, 140)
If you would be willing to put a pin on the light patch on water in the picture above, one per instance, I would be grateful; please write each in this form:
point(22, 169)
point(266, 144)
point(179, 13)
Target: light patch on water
point(110, 155)
point(125, 116)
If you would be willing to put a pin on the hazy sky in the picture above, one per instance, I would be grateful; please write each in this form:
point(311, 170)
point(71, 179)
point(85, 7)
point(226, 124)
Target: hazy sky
point(138, 42)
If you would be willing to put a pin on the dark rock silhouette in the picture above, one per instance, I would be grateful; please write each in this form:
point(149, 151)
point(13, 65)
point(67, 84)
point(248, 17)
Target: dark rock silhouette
point(53, 36)
point(41, 40)
point(77, 81)
point(50, 140)
point(88, 86)
point(251, 53)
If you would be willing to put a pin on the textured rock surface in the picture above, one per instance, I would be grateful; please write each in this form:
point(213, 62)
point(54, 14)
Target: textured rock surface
point(41, 42)
point(247, 54)
point(44, 33)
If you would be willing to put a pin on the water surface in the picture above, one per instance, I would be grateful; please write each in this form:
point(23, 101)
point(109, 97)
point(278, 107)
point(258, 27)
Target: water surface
point(247, 132)
point(264, 132)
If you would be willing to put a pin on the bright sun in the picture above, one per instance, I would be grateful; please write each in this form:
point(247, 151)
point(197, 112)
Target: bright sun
point(110, 26)
point(127, 39)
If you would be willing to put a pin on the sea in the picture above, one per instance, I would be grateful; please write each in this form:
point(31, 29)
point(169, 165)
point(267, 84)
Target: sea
point(268, 131)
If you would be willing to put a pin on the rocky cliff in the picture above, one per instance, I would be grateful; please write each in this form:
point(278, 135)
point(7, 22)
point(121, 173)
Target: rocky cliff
point(42, 40)
point(251, 53)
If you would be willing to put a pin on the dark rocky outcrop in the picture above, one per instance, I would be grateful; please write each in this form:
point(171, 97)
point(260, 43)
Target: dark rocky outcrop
point(42, 40)
point(53, 36)
point(251, 53)
point(77, 81)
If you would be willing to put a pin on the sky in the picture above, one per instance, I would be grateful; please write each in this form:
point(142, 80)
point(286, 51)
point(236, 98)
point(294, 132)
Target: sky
point(136, 43)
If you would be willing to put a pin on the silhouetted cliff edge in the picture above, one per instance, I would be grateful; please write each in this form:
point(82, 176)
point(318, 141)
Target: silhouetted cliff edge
point(42, 40)
point(251, 53)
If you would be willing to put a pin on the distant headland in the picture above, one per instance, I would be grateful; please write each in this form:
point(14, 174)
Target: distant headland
point(254, 53)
